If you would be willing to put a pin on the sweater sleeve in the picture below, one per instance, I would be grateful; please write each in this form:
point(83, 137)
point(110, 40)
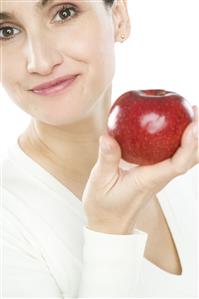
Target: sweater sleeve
point(110, 268)
point(111, 264)
point(24, 274)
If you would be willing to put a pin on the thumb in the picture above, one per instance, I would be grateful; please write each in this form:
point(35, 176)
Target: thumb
point(109, 155)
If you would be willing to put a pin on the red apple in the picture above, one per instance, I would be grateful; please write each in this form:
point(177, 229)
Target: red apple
point(148, 124)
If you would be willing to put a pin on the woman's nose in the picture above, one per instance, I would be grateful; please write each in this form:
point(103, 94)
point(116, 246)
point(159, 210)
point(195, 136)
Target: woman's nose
point(42, 56)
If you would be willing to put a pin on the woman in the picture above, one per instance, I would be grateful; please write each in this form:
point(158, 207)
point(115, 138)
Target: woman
point(76, 222)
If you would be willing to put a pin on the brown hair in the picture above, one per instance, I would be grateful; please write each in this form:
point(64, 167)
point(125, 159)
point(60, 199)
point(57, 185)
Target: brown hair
point(109, 2)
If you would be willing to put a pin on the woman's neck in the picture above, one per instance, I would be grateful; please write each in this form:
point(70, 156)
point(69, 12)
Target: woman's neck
point(70, 150)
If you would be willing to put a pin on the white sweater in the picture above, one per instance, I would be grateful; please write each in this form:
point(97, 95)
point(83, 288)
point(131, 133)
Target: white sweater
point(49, 253)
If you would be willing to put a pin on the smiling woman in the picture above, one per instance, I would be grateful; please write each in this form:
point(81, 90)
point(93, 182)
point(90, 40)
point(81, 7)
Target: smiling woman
point(77, 222)
point(37, 32)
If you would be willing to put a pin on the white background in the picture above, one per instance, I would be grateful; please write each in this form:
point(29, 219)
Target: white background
point(162, 52)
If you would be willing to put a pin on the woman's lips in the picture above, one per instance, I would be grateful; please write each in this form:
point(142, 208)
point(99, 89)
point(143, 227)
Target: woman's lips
point(53, 90)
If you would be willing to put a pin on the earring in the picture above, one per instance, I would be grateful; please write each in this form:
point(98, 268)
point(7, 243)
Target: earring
point(122, 38)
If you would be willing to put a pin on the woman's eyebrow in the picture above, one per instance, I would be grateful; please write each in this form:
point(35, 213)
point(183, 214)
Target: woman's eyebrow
point(10, 16)
point(43, 3)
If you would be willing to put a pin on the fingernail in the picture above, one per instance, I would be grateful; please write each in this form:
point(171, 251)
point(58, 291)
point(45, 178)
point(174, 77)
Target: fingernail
point(104, 145)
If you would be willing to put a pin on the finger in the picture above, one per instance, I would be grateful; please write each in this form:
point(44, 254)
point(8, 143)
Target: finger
point(153, 177)
point(107, 165)
point(187, 155)
point(196, 113)
point(189, 137)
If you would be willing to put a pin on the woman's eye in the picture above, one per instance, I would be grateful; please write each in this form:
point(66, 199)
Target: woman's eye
point(7, 32)
point(63, 15)
point(66, 13)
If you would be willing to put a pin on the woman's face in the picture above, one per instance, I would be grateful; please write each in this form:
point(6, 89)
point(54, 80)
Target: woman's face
point(42, 43)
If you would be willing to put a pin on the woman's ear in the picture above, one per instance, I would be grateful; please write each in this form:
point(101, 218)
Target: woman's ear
point(121, 20)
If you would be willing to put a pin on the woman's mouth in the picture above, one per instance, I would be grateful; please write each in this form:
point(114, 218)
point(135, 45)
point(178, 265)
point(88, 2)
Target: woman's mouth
point(55, 89)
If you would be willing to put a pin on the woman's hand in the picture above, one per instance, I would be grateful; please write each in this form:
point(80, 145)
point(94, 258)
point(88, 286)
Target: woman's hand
point(113, 197)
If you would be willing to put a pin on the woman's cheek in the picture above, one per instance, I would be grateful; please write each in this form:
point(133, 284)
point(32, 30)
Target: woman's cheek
point(11, 63)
